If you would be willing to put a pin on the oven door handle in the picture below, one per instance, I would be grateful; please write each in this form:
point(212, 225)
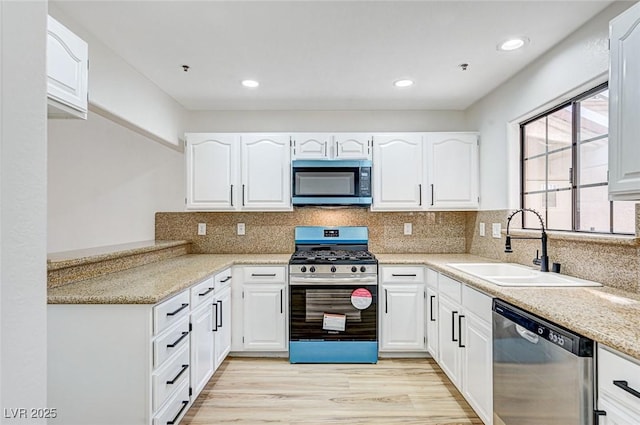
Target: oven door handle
point(332, 280)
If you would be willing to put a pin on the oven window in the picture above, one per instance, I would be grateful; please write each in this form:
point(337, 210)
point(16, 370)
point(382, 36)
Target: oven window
point(321, 301)
point(324, 183)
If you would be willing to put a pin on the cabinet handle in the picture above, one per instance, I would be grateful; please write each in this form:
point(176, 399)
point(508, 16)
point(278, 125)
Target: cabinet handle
point(281, 301)
point(182, 307)
point(184, 335)
point(173, 381)
point(218, 313)
point(453, 326)
point(226, 279)
point(325, 148)
point(263, 275)
point(460, 344)
point(175, 419)
point(386, 303)
point(625, 386)
point(432, 194)
point(215, 304)
point(243, 195)
point(403, 274)
point(420, 193)
point(596, 416)
point(337, 151)
point(206, 292)
point(431, 298)
point(231, 194)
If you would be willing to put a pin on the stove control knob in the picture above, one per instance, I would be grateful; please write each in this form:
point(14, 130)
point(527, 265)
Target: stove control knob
point(354, 269)
point(363, 269)
point(312, 269)
point(303, 269)
point(333, 269)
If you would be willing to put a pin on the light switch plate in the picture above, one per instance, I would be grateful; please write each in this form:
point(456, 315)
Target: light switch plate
point(482, 229)
point(240, 229)
point(202, 229)
point(408, 228)
point(496, 228)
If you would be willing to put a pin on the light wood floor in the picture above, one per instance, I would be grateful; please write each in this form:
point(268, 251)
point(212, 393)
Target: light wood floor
point(395, 391)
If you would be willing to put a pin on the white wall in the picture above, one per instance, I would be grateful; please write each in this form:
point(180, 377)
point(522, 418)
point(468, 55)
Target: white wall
point(576, 64)
point(290, 121)
point(23, 305)
point(106, 182)
point(120, 92)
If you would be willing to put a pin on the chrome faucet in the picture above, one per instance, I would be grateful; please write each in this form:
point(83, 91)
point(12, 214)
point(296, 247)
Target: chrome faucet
point(543, 260)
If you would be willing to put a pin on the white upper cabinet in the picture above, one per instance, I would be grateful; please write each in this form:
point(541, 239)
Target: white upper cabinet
point(452, 170)
point(266, 172)
point(238, 172)
point(212, 162)
point(67, 72)
point(397, 172)
point(331, 146)
point(624, 106)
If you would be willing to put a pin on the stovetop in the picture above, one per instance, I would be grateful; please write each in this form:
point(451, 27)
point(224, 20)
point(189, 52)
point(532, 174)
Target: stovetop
point(334, 256)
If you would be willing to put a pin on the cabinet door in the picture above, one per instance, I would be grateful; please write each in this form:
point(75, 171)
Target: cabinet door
point(432, 322)
point(311, 146)
point(452, 168)
point(449, 336)
point(352, 146)
point(616, 414)
point(67, 71)
point(624, 106)
point(477, 365)
point(211, 171)
point(202, 347)
point(402, 317)
point(265, 317)
point(397, 173)
point(222, 325)
point(266, 172)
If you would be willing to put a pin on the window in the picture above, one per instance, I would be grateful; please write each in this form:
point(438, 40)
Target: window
point(565, 168)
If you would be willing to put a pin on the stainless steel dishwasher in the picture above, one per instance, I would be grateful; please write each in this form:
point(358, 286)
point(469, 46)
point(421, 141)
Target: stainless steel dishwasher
point(542, 373)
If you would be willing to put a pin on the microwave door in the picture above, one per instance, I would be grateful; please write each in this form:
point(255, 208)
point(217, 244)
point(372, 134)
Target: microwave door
point(333, 183)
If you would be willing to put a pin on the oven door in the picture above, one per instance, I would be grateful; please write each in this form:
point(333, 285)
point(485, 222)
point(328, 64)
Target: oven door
point(336, 310)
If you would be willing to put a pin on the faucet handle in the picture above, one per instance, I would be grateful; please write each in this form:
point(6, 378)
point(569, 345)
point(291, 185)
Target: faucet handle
point(537, 261)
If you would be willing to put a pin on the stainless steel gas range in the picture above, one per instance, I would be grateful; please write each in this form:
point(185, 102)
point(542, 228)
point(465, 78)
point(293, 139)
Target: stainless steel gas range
point(333, 293)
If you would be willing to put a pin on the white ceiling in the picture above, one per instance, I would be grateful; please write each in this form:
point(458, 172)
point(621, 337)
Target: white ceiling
point(327, 55)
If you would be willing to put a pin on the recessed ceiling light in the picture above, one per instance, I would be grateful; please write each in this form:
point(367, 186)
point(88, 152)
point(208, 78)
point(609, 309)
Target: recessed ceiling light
point(250, 83)
point(512, 44)
point(403, 83)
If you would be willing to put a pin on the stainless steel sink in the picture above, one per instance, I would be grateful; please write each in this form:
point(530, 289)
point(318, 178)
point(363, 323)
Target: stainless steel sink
point(508, 274)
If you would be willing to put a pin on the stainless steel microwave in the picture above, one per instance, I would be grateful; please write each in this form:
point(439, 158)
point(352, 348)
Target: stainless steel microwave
point(337, 182)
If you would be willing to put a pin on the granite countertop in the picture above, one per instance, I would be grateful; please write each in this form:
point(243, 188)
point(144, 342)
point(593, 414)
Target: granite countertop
point(607, 315)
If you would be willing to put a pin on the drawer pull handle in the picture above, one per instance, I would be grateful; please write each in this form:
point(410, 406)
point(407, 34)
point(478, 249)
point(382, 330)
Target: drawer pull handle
point(182, 307)
point(625, 386)
point(173, 381)
point(431, 298)
point(403, 274)
point(206, 292)
point(263, 275)
point(175, 419)
point(183, 336)
point(226, 279)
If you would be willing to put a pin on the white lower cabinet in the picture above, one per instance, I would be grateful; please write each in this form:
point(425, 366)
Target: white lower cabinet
point(259, 309)
point(202, 346)
point(465, 346)
point(222, 316)
point(401, 309)
point(618, 388)
point(431, 308)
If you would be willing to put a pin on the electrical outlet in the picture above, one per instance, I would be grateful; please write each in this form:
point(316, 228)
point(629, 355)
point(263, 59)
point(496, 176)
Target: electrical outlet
point(483, 230)
point(202, 229)
point(496, 228)
point(240, 229)
point(408, 228)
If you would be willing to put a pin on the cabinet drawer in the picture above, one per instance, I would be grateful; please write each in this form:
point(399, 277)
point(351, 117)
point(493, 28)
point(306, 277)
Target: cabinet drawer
point(432, 279)
point(615, 368)
point(175, 408)
point(170, 342)
point(259, 274)
point(170, 377)
point(477, 303)
point(403, 274)
point(170, 311)
point(223, 279)
point(202, 292)
point(449, 287)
